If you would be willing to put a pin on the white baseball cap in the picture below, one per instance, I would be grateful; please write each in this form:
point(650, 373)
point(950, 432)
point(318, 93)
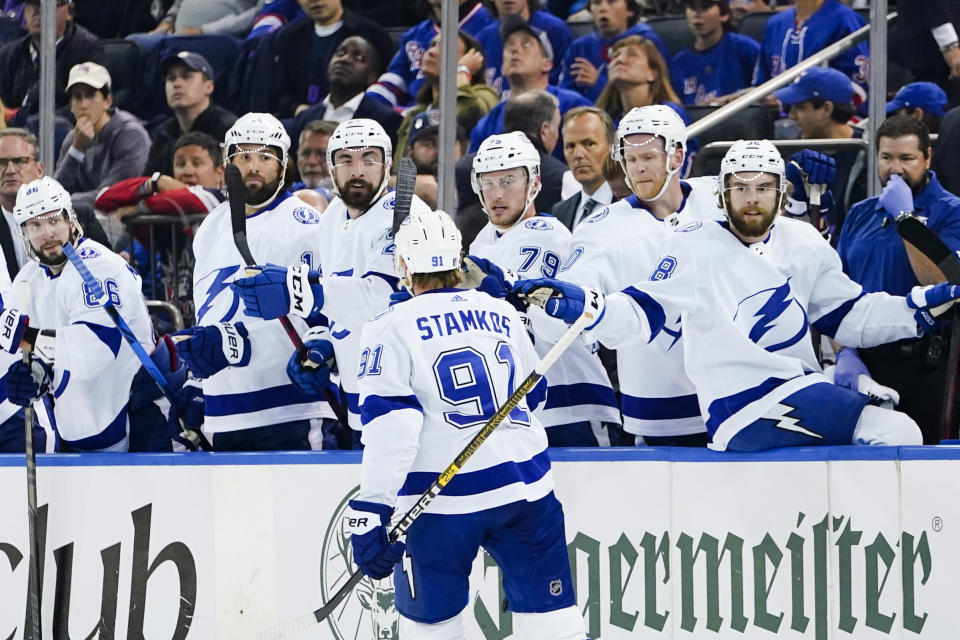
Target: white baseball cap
point(89, 73)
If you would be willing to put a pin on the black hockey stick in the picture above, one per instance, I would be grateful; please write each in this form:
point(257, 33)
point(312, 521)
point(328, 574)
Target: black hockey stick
point(96, 290)
point(406, 181)
point(33, 629)
point(238, 222)
point(293, 628)
point(927, 242)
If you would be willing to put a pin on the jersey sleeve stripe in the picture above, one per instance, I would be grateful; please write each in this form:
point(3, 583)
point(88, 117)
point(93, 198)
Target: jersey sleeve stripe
point(572, 395)
point(393, 281)
point(656, 317)
point(249, 401)
point(64, 379)
point(475, 482)
point(109, 336)
point(666, 408)
point(830, 323)
point(374, 407)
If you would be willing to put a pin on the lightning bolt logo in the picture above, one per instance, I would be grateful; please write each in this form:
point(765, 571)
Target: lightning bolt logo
point(218, 285)
point(768, 319)
point(767, 315)
point(781, 414)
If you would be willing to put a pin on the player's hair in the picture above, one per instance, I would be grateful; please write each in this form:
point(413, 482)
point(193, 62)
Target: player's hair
point(605, 119)
point(437, 280)
point(660, 89)
point(326, 127)
point(527, 113)
point(904, 125)
point(633, 6)
point(724, 10)
point(841, 113)
point(932, 121)
point(204, 141)
point(23, 134)
point(532, 5)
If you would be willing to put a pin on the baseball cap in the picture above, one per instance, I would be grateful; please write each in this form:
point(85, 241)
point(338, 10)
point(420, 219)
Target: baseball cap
point(925, 95)
point(423, 123)
point(818, 82)
point(89, 73)
point(190, 59)
point(510, 23)
point(59, 2)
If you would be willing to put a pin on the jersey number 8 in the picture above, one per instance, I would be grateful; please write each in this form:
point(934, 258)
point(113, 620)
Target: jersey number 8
point(464, 378)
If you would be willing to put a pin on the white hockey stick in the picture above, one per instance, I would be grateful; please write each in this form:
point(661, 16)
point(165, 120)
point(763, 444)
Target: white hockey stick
point(292, 628)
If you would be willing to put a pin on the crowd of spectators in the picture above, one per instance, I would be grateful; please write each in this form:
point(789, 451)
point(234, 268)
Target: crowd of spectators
point(562, 71)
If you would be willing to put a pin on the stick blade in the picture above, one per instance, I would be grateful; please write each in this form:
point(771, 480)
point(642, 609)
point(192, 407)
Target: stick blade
point(927, 242)
point(238, 211)
point(406, 181)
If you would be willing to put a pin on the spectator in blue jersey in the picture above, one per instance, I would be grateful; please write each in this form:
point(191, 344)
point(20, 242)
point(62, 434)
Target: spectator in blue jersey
point(820, 100)
point(305, 47)
point(799, 32)
point(527, 60)
point(876, 257)
point(585, 63)
point(924, 101)
point(556, 29)
point(719, 63)
point(402, 80)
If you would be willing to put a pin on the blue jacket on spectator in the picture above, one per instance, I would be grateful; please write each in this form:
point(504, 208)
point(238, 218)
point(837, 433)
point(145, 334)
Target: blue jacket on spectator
point(726, 67)
point(556, 30)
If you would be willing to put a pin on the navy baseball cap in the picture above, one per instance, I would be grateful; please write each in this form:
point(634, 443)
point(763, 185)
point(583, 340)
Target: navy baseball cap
point(821, 83)
point(190, 59)
point(925, 95)
point(510, 23)
point(423, 123)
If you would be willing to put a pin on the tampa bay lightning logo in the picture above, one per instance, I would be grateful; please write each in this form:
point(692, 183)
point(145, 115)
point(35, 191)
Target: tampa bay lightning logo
point(772, 318)
point(88, 252)
point(306, 215)
point(599, 215)
point(390, 202)
point(537, 223)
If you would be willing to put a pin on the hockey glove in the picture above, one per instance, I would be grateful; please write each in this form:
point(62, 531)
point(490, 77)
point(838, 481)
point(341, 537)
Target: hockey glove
point(484, 275)
point(211, 349)
point(561, 299)
point(13, 324)
point(277, 291)
point(312, 375)
point(932, 302)
point(811, 167)
point(400, 296)
point(187, 415)
point(896, 197)
point(849, 369)
point(28, 382)
point(372, 551)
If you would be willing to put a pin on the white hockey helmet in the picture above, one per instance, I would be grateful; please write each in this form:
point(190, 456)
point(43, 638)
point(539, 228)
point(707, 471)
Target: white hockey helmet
point(258, 128)
point(507, 151)
point(427, 242)
point(40, 197)
point(357, 134)
point(747, 156)
point(656, 120)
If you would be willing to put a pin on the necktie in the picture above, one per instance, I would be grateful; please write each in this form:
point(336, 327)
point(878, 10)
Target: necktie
point(587, 209)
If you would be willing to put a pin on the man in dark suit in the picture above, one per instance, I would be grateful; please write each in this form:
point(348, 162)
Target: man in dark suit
point(354, 66)
point(588, 136)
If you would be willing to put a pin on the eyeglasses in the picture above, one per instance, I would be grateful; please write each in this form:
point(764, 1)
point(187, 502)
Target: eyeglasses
point(742, 190)
point(18, 163)
point(504, 183)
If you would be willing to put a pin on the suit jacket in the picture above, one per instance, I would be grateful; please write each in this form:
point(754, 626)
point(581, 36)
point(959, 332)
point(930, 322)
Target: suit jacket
point(566, 210)
point(368, 108)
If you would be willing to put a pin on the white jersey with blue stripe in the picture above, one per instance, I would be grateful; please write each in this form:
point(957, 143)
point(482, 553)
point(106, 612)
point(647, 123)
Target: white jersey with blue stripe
point(579, 388)
point(93, 366)
point(746, 313)
point(433, 370)
point(355, 258)
point(615, 247)
point(286, 232)
point(7, 408)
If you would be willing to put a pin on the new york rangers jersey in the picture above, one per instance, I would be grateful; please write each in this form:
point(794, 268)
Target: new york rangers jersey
point(579, 389)
point(285, 232)
point(355, 257)
point(557, 33)
point(746, 313)
point(615, 247)
point(786, 43)
point(726, 67)
point(93, 365)
point(433, 370)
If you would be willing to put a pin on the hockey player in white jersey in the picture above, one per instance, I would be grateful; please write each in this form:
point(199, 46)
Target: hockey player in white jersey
point(249, 404)
point(354, 275)
point(747, 291)
point(79, 356)
point(581, 407)
point(434, 369)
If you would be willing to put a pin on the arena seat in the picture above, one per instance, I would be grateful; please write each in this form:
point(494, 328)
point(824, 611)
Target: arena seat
point(753, 24)
point(124, 62)
point(753, 123)
point(395, 34)
point(674, 32)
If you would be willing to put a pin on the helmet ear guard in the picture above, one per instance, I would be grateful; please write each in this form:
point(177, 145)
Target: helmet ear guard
point(753, 156)
point(656, 120)
point(357, 134)
point(507, 151)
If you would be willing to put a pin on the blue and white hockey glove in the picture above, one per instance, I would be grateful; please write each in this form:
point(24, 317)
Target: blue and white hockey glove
point(932, 303)
point(372, 551)
point(277, 291)
point(896, 197)
point(312, 376)
point(27, 382)
point(187, 415)
point(849, 369)
point(481, 274)
point(211, 349)
point(13, 324)
point(818, 168)
point(561, 299)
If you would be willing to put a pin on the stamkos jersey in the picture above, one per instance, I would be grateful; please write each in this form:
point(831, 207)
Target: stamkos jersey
point(615, 247)
point(746, 313)
point(355, 257)
point(433, 370)
point(786, 43)
point(285, 232)
point(93, 365)
point(579, 388)
point(726, 67)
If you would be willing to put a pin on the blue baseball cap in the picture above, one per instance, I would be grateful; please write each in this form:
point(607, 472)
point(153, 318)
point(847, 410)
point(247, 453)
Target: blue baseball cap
point(925, 95)
point(423, 123)
point(821, 83)
point(510, 23)
point(190, 59)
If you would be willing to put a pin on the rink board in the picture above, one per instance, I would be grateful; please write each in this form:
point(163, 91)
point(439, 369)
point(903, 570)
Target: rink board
point(842, 542)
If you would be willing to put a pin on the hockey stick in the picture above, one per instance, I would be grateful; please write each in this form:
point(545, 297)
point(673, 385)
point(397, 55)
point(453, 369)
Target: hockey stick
point(34, 626)
point(96, 290)
point(927, 242)
point(406, 181)
point(292, 628)
point(238, 222)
